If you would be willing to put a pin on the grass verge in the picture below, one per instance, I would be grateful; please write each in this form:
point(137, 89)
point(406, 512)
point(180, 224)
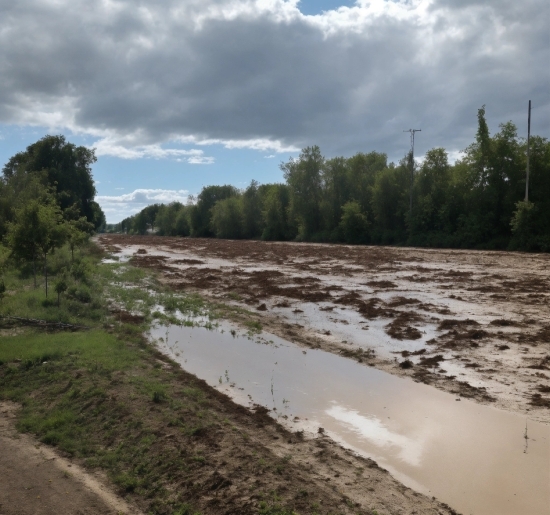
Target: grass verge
point(108, 399)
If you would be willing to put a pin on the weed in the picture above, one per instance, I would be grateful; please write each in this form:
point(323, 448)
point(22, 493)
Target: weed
point(254, 326)
point(158, 397)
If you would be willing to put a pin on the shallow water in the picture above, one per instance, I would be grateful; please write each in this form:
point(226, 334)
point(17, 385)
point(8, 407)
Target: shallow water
point(473, 457)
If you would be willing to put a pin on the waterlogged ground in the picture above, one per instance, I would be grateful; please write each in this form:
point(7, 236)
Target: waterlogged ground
point(474, 324)
point(478, 459)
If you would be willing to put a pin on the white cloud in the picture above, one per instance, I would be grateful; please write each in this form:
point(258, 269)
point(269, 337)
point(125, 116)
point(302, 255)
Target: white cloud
point(145, 196)
point(200, 160)
point(108, 147)
point(117, 207)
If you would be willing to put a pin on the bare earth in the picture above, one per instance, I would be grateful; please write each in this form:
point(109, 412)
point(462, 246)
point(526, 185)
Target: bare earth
point(473, 323)
point(37, 480)
point(34, 479)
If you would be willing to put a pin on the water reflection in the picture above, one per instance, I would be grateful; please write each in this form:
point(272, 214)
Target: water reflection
point(373, 429)
point(467, 455)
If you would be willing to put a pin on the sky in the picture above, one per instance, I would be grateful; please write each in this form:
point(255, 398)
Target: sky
point(175, 95)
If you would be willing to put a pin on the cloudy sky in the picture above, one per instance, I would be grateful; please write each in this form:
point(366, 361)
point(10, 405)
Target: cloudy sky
point(178, 94)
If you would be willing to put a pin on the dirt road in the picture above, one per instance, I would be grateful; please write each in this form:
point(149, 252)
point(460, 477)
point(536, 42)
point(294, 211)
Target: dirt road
point(34, 479)
point(473, 323)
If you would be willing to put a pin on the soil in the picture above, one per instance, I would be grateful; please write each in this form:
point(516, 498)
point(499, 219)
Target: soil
point(244, 457)
point(35, 479)
point(488, 311)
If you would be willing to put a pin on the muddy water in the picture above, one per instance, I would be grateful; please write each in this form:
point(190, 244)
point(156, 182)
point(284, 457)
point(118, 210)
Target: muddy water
point(473, 457)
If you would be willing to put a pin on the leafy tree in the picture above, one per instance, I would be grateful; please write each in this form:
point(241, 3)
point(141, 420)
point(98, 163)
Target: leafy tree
point(78, 233)
point(64, 167)
point(37, 230)
point(303, 176)
point(165, 220)
point(201, 212)
point(252, 211)
point(276, 206)
point(430, 193)
point(362, 172)
point(336, 190)
point(227, 218)
point(353, 223)
point(145, 219)
point(390, 202)
point(60, 287)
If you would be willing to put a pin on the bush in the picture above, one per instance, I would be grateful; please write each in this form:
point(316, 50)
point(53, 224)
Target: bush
point(82, 294)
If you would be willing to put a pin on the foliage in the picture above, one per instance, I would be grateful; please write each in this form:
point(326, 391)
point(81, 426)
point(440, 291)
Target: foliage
point(303, 176)
point(353, 223)
point(227, 218)
point(477, 202)
point(201, 213)
point(61, 166)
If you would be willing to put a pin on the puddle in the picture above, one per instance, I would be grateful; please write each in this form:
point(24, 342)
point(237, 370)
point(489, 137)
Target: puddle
point(346, 324)
point(473, 457)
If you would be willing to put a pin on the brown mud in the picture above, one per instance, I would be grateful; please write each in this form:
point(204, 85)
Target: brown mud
point(235, 459)
point(489, 311)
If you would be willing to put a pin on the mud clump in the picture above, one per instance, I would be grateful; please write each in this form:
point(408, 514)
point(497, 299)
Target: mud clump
point(381, 284)
point(402, 301)
point(538, 400)
point(432, 361)
point(544, 364)
point(445, 325)
point(407, 353)
point(401, 329)
point(500, 322)
point(188, 262)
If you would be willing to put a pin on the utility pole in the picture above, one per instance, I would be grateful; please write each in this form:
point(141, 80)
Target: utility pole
point(412, 131)
point(528, 151)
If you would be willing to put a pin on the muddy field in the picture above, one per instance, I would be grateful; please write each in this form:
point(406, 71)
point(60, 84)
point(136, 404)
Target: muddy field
point(473, 323)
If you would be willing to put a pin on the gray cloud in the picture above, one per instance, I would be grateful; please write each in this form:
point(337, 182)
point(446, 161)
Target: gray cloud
point(140, 74)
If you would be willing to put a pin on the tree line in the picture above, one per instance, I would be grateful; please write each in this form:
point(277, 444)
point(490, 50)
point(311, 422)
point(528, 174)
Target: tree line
point(478, 202)
point(47, 201)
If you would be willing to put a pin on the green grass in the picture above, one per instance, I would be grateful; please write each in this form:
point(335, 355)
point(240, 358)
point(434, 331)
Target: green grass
point(108, 398)
point(96, 348)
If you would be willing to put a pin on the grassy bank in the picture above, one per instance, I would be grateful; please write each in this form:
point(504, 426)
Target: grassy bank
point(107, 398)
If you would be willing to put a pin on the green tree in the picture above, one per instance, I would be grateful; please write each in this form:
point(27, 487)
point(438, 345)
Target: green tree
point(275, 214)
point(336, 190)
point(430, 194)
point(37, 230)
point(64, 167)
point(362, 172)
point(303, 176)
point(252, 211)
point(390, 202)
point(60, 287)
point(227, 218)
point(353, 223)
point(201, 213)
point(78, 233)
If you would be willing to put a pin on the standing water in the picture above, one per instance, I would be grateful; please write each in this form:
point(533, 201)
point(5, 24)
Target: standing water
point(479, 460)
